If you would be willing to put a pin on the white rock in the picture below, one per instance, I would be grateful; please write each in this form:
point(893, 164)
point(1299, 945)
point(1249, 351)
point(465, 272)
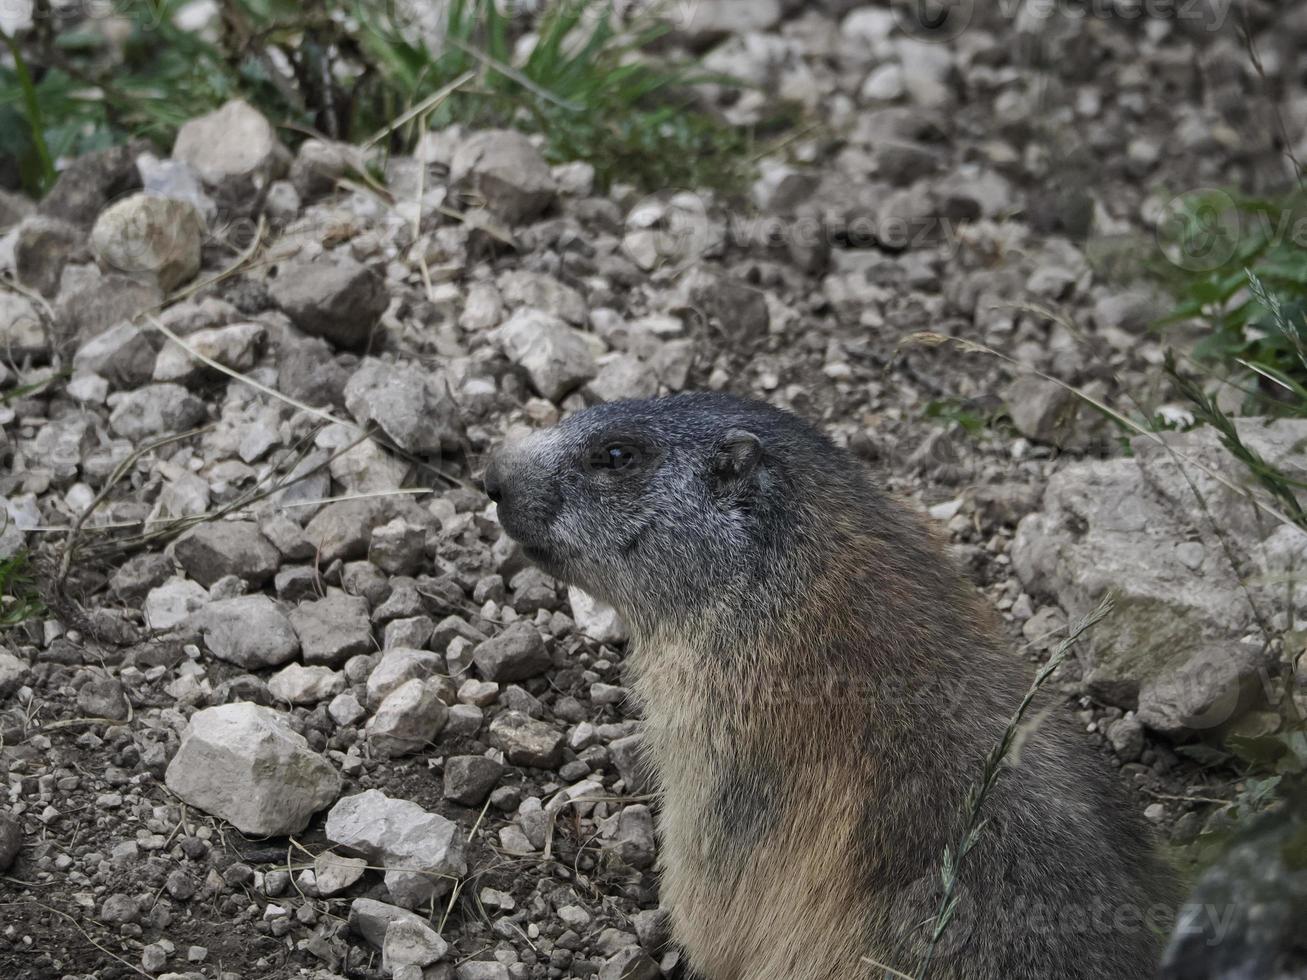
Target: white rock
point(235, 346)
point(505, 173)
point(244, 763)
point(172, 603)
point(334, 872)
point(305, 685)
point(408, 719)
point(596, 619)
point(555, 357)
point(234, 148)
point(396, 667)
point(412, 406)
point(409, 943)
point(152, 239)
point(422, 851)
point(249, 630)
point(345, 709)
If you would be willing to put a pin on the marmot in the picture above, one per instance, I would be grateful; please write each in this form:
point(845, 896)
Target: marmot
point(820, 688)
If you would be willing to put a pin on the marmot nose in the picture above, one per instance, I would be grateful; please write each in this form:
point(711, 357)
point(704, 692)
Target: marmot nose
point(492, 482)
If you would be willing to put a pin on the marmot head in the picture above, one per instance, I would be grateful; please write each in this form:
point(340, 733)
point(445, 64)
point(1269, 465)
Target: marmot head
point(670, 506)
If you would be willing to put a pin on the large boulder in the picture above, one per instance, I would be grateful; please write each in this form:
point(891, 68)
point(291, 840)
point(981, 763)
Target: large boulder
point(1135, 527)
point(244, 763)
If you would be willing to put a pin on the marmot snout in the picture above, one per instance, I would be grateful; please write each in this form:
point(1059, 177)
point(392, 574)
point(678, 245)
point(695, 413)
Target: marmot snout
point(820, 688)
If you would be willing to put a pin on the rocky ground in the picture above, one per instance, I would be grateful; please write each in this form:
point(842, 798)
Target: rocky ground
point(263, 731)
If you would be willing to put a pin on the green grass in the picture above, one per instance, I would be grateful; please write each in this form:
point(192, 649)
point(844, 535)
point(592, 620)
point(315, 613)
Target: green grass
point(588, 85)
point(19, 599)
point(1245, 280)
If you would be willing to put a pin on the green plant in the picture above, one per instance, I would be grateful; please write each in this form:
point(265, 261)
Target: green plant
point(19, 599)
point(1249, 291)
point(973, 416)
point(349, 68)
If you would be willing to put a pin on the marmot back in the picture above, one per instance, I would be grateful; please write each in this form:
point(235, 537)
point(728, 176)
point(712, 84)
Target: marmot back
point(820, 688)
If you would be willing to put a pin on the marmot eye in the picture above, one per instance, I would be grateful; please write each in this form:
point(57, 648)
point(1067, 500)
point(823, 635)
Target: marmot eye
point(615, 456)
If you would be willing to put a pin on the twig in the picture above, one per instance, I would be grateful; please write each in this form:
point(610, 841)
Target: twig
point(423, 107)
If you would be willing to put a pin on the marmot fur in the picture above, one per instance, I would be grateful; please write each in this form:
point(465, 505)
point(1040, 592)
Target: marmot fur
point(820, 688)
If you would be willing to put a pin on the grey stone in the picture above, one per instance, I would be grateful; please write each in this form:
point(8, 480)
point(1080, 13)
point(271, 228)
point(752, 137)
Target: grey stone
point(370, 919)
point(63, 443)
point(333, 872)
point(43, 247)
point(156, 410)
point(623, 376)
point(13, 674)
point(538, 291)
point(504, 172)
point(124, 355)
point(318, 164)
point(1215, 685)
point(234, 150)
point(219, 548)
point(1112, 525)
point(514, 655)
point(173, 602)
point(1126, 736)
point(305, 685)
point(409, 943)
point(482, 970)
point(333, 629)
point(412, 632)
point(344, 529)
point(555, 357)
point(525, 741)
point(91, 181)
point(22, 333)
point(413, 407)
point(103, 697)
point(408, 720)
point(250, 631)
point(635, 836)
point(470, 778)
point(398, 547)
point(596, 619)
point(154, 239)
point(345, 710)
point(236, 346)
point(87, 310)
point(245, 764)
point(737, 309)
point(1046, 412)
point(333, 297)
point(631, 963)
point(287, 537)
point(421, 851)
point(399, 666)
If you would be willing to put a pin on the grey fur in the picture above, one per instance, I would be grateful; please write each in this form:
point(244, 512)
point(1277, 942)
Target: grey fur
point(820, 687)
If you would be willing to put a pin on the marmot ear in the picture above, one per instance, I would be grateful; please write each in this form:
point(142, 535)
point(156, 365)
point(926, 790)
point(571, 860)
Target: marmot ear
point(738, 456)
